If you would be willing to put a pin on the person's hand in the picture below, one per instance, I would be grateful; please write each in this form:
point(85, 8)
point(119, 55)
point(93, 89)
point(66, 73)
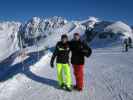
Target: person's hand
point(52, 65)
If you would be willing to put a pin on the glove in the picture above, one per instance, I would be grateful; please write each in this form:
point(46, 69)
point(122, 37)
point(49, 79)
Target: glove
point(87, 52)
point(52, 64)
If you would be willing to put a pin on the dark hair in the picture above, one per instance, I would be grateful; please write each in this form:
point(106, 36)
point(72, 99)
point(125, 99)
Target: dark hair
point(76, 34)
point(64, 36)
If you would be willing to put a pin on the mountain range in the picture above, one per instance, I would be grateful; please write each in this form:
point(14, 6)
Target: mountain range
point(45, 32)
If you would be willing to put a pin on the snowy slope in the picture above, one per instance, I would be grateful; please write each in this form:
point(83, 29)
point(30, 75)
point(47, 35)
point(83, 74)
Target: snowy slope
point(8, 38)
point(108, 70)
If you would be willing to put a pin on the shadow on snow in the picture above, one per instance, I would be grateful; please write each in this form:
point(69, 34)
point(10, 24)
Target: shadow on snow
point(7, 71)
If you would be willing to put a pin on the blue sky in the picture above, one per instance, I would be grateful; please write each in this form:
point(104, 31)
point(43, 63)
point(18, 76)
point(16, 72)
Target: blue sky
point(22, 10)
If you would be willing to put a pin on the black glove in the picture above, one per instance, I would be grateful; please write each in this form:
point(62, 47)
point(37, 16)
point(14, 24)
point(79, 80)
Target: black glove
point(52, 64)
point(87, 52)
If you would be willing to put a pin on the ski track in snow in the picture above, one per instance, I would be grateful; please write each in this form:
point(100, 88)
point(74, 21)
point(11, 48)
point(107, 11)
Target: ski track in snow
point(108, 76)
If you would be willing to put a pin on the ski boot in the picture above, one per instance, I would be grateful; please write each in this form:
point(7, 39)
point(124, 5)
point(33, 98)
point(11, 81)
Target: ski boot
point(75, 87)
point(68, 88)
point(62, 86)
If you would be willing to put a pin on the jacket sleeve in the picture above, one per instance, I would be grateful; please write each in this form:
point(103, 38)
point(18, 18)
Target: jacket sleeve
point(70, 44)
point(87, 51)
point(54, 54)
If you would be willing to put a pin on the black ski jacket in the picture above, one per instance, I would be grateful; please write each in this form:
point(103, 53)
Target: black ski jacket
point(61, 53)
point(79, 50)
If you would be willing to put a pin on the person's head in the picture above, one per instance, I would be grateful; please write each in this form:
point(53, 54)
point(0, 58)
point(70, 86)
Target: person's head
point(76, 36)
point(64, 38)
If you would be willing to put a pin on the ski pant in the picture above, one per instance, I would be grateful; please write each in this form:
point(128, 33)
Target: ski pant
point(126, 47)
point(79, 76)
point(64, 69)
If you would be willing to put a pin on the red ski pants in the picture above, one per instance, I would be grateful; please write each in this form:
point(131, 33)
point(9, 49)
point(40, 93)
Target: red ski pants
point(79, 76)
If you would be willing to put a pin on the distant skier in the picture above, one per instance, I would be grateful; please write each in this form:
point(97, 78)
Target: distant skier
point(61, 54)
point(125, 44)
point(79, 50)
point(130, 42)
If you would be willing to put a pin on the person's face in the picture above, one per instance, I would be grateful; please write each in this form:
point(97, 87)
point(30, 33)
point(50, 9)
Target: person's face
point(76, 37)
point(64, 40)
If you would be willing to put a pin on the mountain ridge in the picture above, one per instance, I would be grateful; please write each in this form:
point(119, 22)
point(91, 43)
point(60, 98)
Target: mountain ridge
point(43, 32)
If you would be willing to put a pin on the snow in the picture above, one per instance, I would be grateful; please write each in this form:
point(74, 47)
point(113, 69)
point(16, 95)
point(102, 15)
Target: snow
point(19, 80)
point(19, 59)
point(35, 31)
point(108, 76)
point(120, 27)
point(108, 72)
point(45, 32)
point(8, 38)
point(111, 74)
point(90, 22)
point(90, 19)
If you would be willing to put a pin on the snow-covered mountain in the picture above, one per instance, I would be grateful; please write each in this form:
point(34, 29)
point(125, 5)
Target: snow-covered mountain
point(132, 28)
point(90, 22)
point(45, 32)
point(16, 35)
point(113, 27)
point(36, 26)
point(119, 27)
point(8, 38)
point(106, 32)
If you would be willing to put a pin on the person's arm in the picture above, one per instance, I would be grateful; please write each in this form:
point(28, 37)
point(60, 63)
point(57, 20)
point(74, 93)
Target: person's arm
point(54, 56)
point(70, 45)
point(87, 51)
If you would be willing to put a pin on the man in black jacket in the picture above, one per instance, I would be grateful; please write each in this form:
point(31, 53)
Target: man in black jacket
point(61, 54)
point(79, 50)
point(130, 42)
point(125, 45)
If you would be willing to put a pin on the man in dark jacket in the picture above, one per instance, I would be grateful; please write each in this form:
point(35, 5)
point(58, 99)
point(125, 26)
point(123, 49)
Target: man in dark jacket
point(130, 42)
point(61, 54)
point(79, 50)
point(125, 45)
